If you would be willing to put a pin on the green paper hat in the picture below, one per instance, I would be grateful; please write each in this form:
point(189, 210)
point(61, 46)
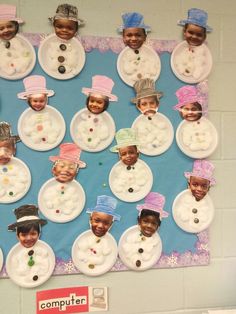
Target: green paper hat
point(125, 137)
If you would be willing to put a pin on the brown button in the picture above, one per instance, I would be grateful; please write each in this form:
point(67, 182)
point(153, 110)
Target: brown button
point(62, 47)
point(194, 210)
point(149, 118)
point(91, 266)
point(7, 44)
point(31, 252)
point(138, 263)
point(139, 76)
point(128, 167)
point(61, 69)
point(196, 220)
point(61, 59)
point(131, 190)
point(140, 250)
point(35, 278)
point(136, 51)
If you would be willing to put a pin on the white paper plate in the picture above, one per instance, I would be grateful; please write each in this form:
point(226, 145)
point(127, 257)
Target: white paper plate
point(138, 193)
point(190, 78)
point(9, 182)
point(89, 128)
point(1, 259)
point(24, 280)
point(151, 144)
point(42, 144)
point(130, 69)
point(183, 215)
point(46, 62)
point(99, 269)
point(156, 250)
point(61, 202)
point(196, 153)
point(18, 76)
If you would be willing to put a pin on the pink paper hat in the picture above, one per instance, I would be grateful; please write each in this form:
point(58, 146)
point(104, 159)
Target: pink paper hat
point(70, 152)
point(101, 85)
point(202, 169)
point(8, 13)
point(35, 84)
point(155, 202)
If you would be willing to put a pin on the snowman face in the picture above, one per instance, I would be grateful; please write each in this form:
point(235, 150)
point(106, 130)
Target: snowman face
point(64, 170)
point(65, 29)
point(148, 105)
point(199, 187)
point(195, 35)
point(97, 103)
point(191, 111)
point(37, 101)
point(129, 155)
point(148, 225)
point(28, 239)
point(7, 150)
point(100, 223)
point(8, 29)
point(134, 37)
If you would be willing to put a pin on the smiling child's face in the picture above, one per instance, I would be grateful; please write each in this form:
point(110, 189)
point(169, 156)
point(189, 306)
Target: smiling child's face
point(37, 101)
point(100, 223)
point(191, 111)
point(8, 30)
point(128, 155)
point(7, 150)
point(65, 29)
point(194, 35)
point(64, 171)
point(148, 225)
point(199, 187)
point(28, 239)
point(134, 37)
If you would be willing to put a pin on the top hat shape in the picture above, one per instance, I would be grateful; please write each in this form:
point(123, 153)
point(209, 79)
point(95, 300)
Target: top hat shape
point(155, 202)
point(203, 169)
point(125, 137)
point(103, 85)
point(5, 132)
point(67, 11)
point(8, 13)
point(145, 88)
point(105, 204)
point(35, 84)
point(133, 20)
point(196, 17)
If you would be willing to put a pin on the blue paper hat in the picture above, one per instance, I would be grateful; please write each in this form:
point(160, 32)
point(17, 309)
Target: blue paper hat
point(196, 17)
point(105, 204)
point(133, 20)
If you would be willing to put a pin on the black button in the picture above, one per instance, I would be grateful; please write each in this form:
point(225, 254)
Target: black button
point(31, 252)
point(149, 118)
point(131, 190)
point(62, 47)
point(140, 250)
point(61, 69)
point(136, 51)
point(194, 210)
point(7, 44)
point(128, 168)
point(138, 263)
point(61, 59)
point(196, 220)
point(35, 278)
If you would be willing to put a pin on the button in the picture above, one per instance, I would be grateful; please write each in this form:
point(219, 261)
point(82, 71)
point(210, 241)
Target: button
point(61, 69)
point(136, 51)
point(140, 250)
point(31, 252)
point(62, 47)
point(128, 167)
point(138, 263)
point(31, 262)
point(139, 76)
point(35, 278)
point(61, 59)
point(149, 118)
point(98, 240)
point(194, 210)
point(131, 190)
point(91, 266)
point(7, 44)
point(196, 220)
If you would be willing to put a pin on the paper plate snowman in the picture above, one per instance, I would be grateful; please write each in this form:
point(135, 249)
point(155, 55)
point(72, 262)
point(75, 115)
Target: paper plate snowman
point(41, 127)
point(62, 198)
point(130, 179)
point(31, 261)
point(17, 55)
point(94, 252)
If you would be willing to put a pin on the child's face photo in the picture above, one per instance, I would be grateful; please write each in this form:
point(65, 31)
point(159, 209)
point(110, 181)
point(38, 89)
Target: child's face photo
point(100, 223)
point(7, 30)
point(134, 37)
point(199, 187)
point(191, 111)
point(38, 101)
point(148, 225)
point(64, 171)
point(7, 150)
point(65, 29)
point(128, 155)
point(96, 103)
point(148, 105)
point(194, 35)
point(28, 239)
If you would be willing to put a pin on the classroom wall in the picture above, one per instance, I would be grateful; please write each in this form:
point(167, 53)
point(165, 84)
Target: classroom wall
point(183, 290)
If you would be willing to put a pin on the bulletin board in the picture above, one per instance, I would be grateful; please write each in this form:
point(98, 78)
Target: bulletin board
point(179, 247)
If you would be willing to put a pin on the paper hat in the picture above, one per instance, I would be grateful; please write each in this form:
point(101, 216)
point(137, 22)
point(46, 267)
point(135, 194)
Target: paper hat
point(101, 85)
point(202, 169)
point(133, 20)
point(5, 132)
point(155, 202)
point(196, 17)
point(8, 13)
point(67, 11)
point(26, 214)
point(145, 88)
point(70, 152)
point(105, 204)
point(125, 137)
point(35, 84)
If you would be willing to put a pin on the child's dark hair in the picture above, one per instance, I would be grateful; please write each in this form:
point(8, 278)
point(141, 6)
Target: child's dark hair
point(77, 24)
point(186, 26)
point(106, 103)
point(27, 227)
point(144, 31)
point(16, 26)
point(147, 212)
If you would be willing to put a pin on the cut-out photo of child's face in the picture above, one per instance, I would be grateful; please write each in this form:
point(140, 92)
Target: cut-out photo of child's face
point(148, 105)
point(194, 35)
point(65, 28)
point(100, 223)
point(37, 101)
point(64, 170)
point(97, 103)
point(7, 151)
point(129, 155)
point(134, 37)
point(191, 111)
point(199, 187)
point(8, 29)
point(149, 222)
point(28, 235)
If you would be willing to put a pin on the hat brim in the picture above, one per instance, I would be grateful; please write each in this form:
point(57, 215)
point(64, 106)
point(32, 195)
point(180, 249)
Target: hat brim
point(88, 91)
point(184, 22)
point(15, 225)
point(101, 210)
point(154, 93)
point(25, 95)
point(191, 174)
point(80, 163)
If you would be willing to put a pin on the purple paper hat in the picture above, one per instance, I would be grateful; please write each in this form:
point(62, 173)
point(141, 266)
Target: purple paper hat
point(70, 152)
point(35, 84)
point(155, 202)
point(105, 204)
point(190, 94)
point(203, 169)
point(103, 85)
point(196, 17)
point(133, 20)
point(8, 13)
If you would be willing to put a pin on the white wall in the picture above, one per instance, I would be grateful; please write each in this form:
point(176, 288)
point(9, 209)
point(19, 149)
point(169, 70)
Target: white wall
point(184, 290)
